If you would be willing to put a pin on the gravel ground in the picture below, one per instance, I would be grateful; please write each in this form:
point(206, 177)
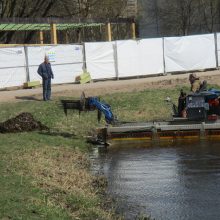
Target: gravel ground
point(109, 86)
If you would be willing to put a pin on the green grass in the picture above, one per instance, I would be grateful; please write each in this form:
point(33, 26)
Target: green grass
point(19, 198)
point(26, 192)
point(143, 106)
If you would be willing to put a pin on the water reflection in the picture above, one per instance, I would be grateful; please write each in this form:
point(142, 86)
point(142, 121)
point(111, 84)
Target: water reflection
point(178, 181)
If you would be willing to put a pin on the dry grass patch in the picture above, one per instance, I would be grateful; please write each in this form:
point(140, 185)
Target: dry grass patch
point(64, 176)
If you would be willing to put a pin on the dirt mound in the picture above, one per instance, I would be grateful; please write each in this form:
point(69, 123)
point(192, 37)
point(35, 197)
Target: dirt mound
point(22, 123)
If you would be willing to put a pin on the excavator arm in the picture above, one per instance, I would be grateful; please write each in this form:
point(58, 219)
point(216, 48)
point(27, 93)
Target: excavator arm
point(102, 107)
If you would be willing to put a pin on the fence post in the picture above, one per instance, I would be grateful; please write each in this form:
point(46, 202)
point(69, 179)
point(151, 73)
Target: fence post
point(164, 62)
point(84, 58)
point(41, 37)
point(108, 32)
point(133, 30)
point(53, 29)
point(27, 64)
point(115, 49)
point(216, 49)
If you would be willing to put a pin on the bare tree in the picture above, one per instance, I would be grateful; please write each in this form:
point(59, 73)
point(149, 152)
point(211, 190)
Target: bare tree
point(209, 13)
point(106, 9)
point(175, 17)
point(178, 16)
point(93, 8)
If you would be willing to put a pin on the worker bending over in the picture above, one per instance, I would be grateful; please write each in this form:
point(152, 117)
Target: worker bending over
point(195, 82)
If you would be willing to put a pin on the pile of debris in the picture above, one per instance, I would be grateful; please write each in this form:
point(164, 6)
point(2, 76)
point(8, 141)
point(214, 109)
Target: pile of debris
point(24, 122)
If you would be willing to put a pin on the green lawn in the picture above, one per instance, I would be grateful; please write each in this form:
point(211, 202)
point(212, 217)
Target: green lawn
point(45, 175)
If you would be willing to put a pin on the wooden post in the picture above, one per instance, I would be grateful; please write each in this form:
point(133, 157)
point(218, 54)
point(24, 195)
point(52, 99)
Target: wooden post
point(133, 30)
point(41, 35)
point(108, 32)
point(67, 37)
point(79, 35)
point(53, 29)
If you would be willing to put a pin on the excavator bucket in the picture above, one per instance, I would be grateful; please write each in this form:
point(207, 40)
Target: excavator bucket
point(70, 104)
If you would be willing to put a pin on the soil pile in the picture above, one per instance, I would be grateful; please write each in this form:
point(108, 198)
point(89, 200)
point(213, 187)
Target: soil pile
point(22, 123)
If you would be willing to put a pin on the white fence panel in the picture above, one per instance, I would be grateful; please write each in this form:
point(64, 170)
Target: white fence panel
point(12, 57)
point(100, 60)
point(14, 76)
point(60, 54)
point(66, 61)
point(139, 58)
point(190, 53)
point(12, 67)
point(62, 73)
point(66, 73)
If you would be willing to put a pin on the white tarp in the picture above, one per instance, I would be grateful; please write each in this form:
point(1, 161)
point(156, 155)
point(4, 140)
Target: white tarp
point(189, 53)
point(66, 61)
point(12, 67)
point(62, 73)
point(14, 76)
point(100, 60)
point(138, 58)
point(12, 57)
point(218, 48)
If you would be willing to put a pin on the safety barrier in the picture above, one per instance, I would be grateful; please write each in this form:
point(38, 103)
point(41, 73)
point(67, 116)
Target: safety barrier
point(189, 53)
point(109, 60)
point(67, 61)
point(19, 64)
point(12, 67)
point(131, 58)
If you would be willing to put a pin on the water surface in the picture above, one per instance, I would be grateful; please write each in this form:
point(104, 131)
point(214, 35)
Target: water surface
point(178, 181)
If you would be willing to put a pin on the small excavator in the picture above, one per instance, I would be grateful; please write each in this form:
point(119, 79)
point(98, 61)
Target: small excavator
point(199, 106)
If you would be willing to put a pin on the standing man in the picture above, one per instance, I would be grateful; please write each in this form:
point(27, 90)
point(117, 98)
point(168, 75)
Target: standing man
point(45, 71)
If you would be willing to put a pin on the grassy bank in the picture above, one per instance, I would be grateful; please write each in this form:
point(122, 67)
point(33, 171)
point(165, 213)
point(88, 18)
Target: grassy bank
point(45, 175)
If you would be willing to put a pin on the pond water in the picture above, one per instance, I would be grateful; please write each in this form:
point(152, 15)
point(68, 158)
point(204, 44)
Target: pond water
point(178, 181)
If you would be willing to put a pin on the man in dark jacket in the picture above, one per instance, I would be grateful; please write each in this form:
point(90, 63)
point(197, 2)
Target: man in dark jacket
point(45, 71)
